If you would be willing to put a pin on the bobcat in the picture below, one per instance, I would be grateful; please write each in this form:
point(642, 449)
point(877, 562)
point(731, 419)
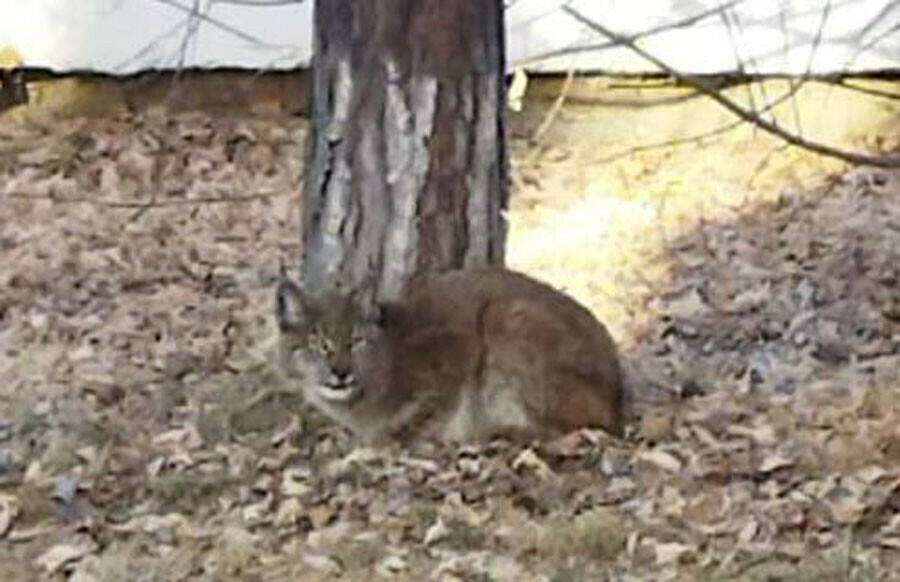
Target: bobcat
point(464, 356)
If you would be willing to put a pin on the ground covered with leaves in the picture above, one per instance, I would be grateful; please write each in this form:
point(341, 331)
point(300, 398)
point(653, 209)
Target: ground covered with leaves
point(144, 434)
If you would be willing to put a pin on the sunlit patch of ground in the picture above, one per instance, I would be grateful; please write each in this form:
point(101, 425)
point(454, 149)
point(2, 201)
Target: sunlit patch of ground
point(602, 223)
point(754, 292)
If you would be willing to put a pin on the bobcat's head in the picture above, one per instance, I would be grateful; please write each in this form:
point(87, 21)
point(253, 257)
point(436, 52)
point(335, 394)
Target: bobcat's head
point(327, 343)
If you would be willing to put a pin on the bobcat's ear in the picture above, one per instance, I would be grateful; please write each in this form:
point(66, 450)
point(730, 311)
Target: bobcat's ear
point(383, 314)
point(290, 310)
point(375, 314)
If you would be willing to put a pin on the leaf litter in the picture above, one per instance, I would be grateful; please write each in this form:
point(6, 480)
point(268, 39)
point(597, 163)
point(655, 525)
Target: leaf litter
point(144, 433)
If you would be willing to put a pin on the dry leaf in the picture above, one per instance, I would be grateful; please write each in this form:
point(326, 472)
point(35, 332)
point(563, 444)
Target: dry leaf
point(324, 564)
point(748, 531)
point(187, 437)
point(871, 474)
point(529, 459)
point(437, 532)
point(153, 523)
point(321, 514)
point(686, 305)
point(657, 425)
point(61, 554)
point(762, 433)
point(392, 566)
point(846, 510)
point(289, 512)
point(775, 461)
point(10, 507)
point(294, 483)
point(661, 459)
point(669, 553)
point(258, 513)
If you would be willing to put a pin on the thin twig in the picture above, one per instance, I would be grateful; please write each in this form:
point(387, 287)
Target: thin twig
point(738, 110)
point(683, 23)
point(224, 26)
point(730, 27)
point(150, 46)
point(552, 114)
point(794, 88)
point(845, 85)
point(817, 41)
point(636, 103)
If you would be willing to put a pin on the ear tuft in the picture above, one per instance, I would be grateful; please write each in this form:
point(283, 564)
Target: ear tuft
point(290, 311)
point(376, 314)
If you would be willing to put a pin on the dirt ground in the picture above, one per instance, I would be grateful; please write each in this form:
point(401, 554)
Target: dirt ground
point(754, 290)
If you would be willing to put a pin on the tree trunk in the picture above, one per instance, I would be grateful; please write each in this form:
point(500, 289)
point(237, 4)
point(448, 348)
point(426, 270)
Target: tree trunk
point(407, 168)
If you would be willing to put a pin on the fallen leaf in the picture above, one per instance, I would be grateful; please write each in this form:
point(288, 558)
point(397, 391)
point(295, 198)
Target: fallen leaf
point(332, 536)
point(294, 483)
point(846, 510)
point(438, 531)
point(661, 459)
point(529, 459)
point(751, 298)
point(61, 554)
point(687, 305)
point(289, 512)
point(657, 425)
point(763, 434)
point(187, 437)
point(392, 566)
point(324, 564)
point(10, 507)
point(321, 514)
point(152, 523)
point(775, 461)
point(871, 474)
point(748, 531)
point(260, 512)
point(669, 553)
point(292, 429)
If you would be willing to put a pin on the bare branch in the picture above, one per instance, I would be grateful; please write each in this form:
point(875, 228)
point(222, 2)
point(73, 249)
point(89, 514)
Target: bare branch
point(883, 14)
point(190, 35)
point(552, 114)
point(890, 31)
point(549, 11)
point(151, 45)
point(820, 33)
point(786, 47)
point(683, 23)
point(219, 24)
point(843, 84)
point(699, 137)
point(738, 110)
point(730, 25)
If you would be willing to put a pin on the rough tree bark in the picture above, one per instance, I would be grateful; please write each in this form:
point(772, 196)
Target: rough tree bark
point(407, 168)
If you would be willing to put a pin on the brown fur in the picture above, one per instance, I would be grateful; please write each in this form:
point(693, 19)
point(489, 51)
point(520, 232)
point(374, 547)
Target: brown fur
point(465, 356)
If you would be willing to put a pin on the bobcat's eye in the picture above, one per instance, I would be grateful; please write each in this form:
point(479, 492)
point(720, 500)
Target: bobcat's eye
point(321, 344)
point(358, 340)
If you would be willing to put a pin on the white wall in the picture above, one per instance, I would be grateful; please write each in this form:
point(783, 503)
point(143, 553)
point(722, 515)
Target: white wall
point(120, 36)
